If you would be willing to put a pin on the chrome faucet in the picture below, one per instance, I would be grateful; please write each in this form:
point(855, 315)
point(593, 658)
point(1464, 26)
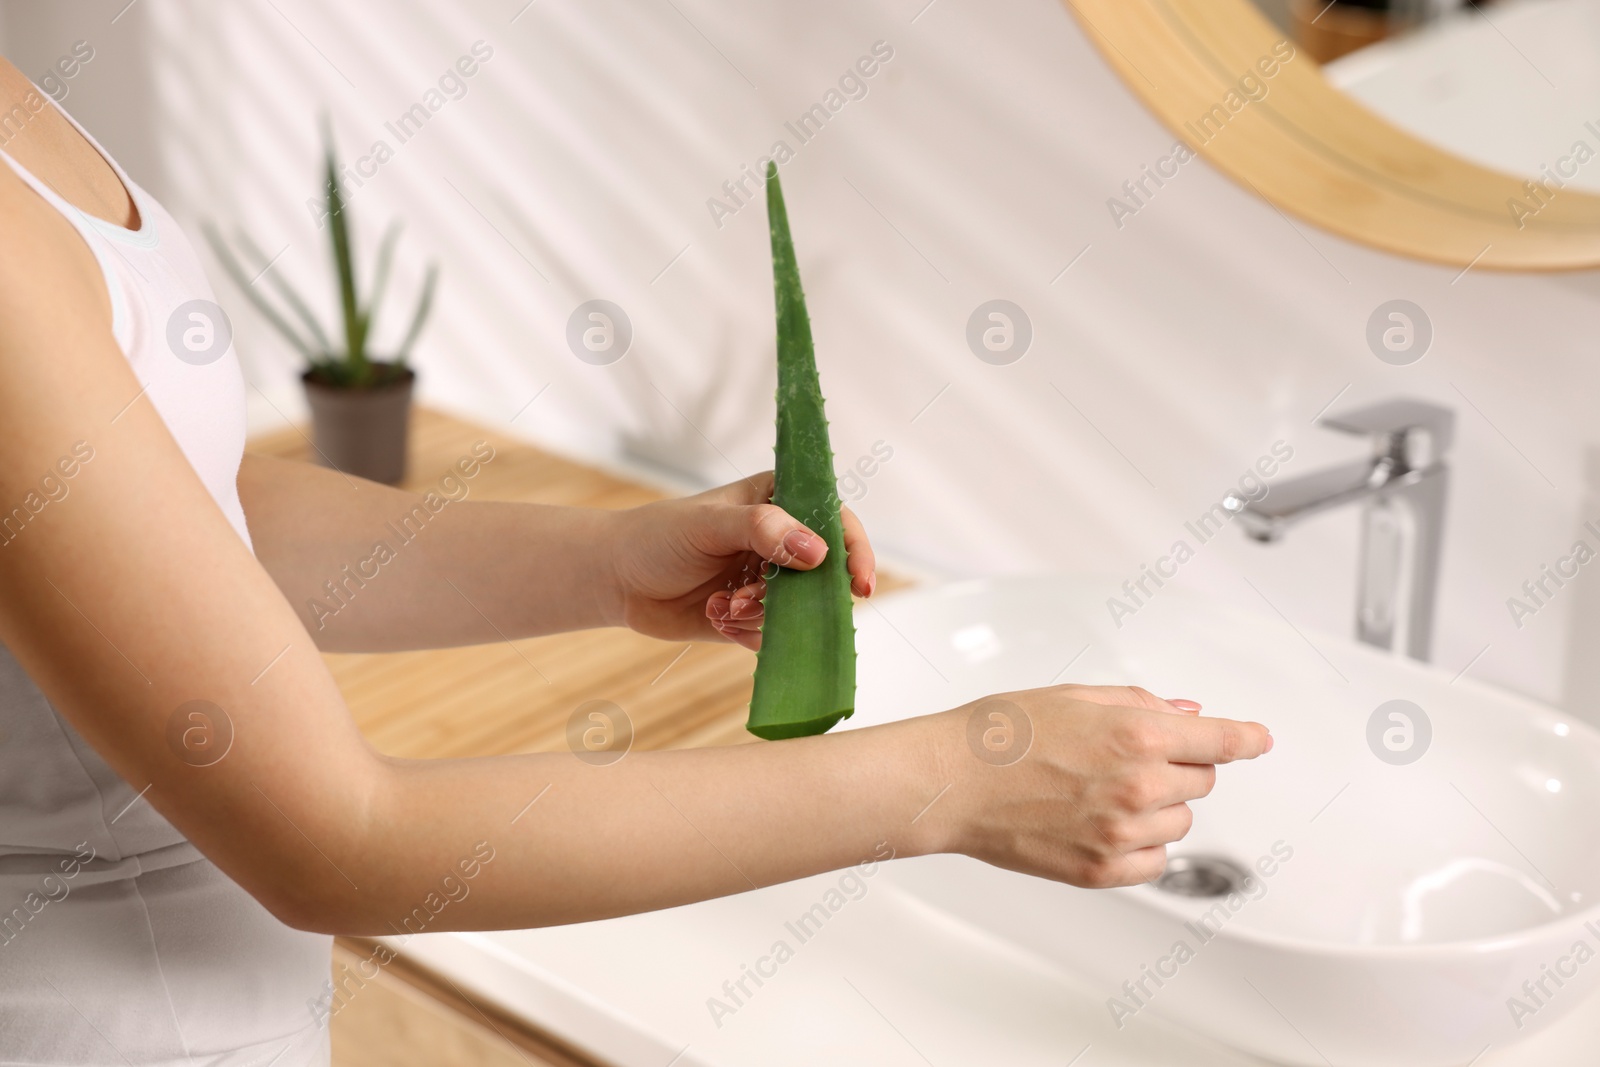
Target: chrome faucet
point(1401, 489)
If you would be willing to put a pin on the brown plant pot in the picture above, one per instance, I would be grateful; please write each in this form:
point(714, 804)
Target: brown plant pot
point(362, 431)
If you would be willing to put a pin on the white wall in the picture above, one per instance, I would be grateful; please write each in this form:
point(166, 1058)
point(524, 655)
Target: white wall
point(113, 92)
point(1175, 351)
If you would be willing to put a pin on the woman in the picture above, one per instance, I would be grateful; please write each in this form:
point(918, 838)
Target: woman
point(162, 907)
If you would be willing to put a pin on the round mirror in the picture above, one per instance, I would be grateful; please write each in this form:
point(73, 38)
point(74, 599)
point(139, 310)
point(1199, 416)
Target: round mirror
point(1461, 132)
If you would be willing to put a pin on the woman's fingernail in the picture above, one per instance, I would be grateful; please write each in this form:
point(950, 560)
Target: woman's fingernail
point(1269, 744)
point(872, 583)
point(1185, 705)
point(804, 546)
point(744, 608)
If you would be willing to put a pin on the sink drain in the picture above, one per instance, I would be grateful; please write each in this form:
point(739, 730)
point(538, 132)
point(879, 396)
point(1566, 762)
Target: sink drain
point(1202, 876)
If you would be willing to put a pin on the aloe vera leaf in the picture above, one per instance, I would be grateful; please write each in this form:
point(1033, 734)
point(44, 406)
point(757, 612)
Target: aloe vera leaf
point(285, 290)
point(424, 305)
point(806, 670)
point(380, 276)
point(242, 279)
point(344, 261)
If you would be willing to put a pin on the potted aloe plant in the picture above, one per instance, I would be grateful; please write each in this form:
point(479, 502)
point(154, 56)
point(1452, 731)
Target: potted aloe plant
point(360, 400)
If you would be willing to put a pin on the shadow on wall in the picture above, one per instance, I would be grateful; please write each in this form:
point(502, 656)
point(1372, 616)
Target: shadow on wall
point(76, 52)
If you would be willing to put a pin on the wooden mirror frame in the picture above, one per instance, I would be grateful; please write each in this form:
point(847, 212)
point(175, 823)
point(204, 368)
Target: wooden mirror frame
point(1315, 153)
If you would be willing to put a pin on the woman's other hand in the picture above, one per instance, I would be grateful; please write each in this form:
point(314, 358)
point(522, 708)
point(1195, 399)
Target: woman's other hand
point(1082, 784)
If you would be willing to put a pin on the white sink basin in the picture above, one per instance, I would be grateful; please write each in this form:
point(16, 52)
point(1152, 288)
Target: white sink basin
point(1397, 910)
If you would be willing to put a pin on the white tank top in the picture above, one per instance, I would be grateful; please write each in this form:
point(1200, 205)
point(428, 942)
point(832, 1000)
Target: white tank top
point(119, 942)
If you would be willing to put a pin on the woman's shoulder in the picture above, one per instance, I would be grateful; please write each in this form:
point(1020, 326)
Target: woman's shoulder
point(47, 267)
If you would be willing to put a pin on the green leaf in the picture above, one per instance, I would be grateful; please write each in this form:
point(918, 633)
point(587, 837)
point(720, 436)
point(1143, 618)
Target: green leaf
point(424, 305)
point(231, 265)
point(344, 260)
point(806, 670)
point(285, 290)
point(380, 278)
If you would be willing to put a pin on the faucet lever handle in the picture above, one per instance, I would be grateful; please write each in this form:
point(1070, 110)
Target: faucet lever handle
point(1414, 432)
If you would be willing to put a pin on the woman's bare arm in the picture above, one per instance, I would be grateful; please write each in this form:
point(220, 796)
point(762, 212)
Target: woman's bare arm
point(130, 597)
point(370, 568)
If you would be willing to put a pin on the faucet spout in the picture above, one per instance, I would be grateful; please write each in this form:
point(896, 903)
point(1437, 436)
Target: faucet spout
point(1402, 490)
point(1268, 518)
